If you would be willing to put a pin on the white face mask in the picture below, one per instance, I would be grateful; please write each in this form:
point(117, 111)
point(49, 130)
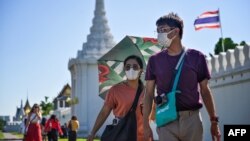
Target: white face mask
point(163, 39)
point(132, 74)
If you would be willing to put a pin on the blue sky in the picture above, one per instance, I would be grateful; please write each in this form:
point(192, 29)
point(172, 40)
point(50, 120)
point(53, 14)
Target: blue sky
point(38, 37)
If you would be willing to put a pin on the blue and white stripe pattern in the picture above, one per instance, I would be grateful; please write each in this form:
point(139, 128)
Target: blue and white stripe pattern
point(209, 19)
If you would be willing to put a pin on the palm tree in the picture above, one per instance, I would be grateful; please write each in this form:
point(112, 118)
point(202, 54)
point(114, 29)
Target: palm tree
point(46, 106)
point(72, 101)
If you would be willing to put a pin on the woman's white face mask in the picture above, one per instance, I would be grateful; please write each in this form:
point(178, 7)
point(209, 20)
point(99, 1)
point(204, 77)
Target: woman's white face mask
point(132, 74)
point(163, 39)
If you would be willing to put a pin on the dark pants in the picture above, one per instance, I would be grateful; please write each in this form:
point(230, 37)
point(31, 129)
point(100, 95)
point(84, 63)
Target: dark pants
point(53, 135)
point(24, 137)
point(72, 136)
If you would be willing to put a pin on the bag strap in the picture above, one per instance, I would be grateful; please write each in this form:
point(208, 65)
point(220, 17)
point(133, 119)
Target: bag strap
point(138, 93)
point(178, 68)
point(29, 121)
point(32, 118)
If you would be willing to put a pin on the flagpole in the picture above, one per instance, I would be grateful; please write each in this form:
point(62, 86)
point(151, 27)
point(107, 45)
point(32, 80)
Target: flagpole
point(222, 41)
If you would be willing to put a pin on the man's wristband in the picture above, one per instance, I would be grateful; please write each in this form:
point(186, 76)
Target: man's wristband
point(214, 119)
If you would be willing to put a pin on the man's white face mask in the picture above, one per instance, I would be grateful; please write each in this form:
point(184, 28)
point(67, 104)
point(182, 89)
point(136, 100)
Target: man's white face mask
point(163, 39)
point(132, 74)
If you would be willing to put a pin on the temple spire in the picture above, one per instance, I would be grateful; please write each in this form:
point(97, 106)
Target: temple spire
point(100, 40)
point(21, 104)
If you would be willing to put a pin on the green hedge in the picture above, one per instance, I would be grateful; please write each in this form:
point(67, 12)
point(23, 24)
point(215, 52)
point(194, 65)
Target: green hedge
point(1, 135)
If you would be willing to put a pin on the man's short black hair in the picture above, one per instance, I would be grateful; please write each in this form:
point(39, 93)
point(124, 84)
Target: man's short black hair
point(172, 20)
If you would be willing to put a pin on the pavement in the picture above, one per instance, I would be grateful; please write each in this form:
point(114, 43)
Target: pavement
point(10, 137)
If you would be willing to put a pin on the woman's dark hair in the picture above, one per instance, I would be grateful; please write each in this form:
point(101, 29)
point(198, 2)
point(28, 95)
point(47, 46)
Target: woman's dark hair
point(25, 121)
point(172, 20)
point(43, 121)
point(53, 117)
point(73, 118)
point(137, 58)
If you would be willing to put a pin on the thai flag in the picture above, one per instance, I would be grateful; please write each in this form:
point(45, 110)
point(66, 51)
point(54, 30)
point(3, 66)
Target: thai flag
point(209, 19)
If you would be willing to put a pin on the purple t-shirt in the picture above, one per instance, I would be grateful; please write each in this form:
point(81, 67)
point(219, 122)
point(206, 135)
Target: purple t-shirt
point(161, 68)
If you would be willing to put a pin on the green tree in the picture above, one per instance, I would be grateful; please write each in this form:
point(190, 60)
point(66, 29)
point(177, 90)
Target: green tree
point(72, 101)
point(2, 123)
point(228, 44)
point(46, 106)
point(243, 43)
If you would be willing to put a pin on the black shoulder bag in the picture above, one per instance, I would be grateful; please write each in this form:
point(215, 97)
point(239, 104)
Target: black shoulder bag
point(126, 129)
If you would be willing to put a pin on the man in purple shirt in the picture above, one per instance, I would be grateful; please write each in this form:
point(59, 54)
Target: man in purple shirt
point(193, 83)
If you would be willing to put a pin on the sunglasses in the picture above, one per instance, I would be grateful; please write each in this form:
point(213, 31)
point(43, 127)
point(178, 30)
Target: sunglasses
point(134, 66)
point(164, 29)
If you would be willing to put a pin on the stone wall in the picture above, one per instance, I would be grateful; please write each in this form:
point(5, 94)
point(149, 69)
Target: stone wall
point(230, 85)
point(13, 126)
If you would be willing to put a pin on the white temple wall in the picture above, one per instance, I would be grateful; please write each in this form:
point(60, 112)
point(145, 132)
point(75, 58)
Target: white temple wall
point(94, 102)
point(85, 86)
point(82, 96)
point(230, 85)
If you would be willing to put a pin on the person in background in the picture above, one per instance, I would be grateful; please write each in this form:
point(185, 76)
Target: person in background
point(53, 128)
point(44, 133)
point(64, 135)
point(23, 127)
point(33, 127)
point(73, 126)
point(65, 132)
point(193, 84)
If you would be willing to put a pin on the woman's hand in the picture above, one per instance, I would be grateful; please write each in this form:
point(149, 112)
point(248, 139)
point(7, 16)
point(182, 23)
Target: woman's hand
point(38, 114)
point(148, 134)
point(101, 118)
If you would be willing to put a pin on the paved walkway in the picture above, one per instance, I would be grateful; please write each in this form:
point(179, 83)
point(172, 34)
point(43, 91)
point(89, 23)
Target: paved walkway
point(10, 137)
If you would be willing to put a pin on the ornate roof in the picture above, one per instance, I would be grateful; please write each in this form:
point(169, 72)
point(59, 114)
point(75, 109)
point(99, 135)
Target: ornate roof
point(27, 107)
point(19, 112)
point(64, 93)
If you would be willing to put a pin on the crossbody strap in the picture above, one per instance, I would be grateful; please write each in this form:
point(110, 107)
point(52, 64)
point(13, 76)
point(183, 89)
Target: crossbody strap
point(178, 68)
point(32, 118)
point(180, 60)
point(138, 93)
point(30, 121)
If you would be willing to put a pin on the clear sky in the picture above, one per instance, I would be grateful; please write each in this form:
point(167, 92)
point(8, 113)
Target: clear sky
point(38, 37)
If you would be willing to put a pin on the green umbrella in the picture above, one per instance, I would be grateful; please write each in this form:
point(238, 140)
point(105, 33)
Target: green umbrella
point(110, 65)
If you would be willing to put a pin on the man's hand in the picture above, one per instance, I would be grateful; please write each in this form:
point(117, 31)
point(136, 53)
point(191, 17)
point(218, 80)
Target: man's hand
point(215, 131)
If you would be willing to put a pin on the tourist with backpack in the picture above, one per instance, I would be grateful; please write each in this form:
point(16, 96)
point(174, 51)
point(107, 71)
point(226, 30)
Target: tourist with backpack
point(73, 126)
